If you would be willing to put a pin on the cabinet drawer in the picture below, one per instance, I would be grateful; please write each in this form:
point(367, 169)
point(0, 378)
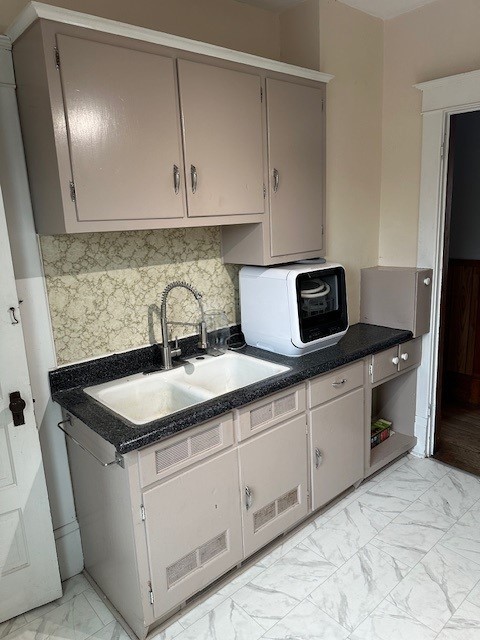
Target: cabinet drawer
point(396, 359)
point(410, 354)
point(270, 411)
point(159, 461)
point(384, 364)
point(335, 384)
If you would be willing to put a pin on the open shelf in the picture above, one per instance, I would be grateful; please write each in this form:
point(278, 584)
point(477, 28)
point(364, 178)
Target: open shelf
point(393, 400)
point(390, 449)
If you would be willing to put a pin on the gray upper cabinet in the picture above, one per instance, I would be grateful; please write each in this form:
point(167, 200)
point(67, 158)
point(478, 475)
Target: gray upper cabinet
point(295, 146)
point(222, 124)
point(296, 178)
point(124, 133)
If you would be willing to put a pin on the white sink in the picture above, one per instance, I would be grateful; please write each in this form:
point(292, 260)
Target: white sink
point(143, 398)
point(225, 373)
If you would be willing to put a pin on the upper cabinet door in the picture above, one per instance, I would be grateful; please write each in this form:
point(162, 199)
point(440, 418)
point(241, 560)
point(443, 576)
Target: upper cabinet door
point(222, 126)
point(296, 167)
point(124, 132)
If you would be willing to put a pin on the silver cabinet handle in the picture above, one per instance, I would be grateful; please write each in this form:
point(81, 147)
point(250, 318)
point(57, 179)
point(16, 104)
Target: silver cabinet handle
point(404, 357)
point(248, 498)
point(395, 360)
point(176, 179)
point(339, 383)
point(427, 282)
point(276, 180)
point(193, 173)
point(318, 457)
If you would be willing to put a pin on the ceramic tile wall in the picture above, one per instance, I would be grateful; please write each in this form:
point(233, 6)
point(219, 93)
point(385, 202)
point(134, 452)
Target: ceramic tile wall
point(100, 286)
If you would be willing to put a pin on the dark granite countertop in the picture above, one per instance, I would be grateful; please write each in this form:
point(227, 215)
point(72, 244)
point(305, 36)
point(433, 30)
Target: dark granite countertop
point(67, 384)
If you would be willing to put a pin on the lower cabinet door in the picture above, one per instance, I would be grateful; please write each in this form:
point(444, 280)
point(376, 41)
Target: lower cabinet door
point(273, 472)
point(193, 527)
point(337, 446)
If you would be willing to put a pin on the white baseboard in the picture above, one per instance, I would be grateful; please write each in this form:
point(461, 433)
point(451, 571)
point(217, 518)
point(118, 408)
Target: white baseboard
point(69, 550)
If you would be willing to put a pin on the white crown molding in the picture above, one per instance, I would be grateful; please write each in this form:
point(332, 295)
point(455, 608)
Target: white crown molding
point(35, 10)
point(450, 92)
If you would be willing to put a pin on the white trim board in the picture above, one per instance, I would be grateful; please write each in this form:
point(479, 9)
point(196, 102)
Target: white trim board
point(35, 10)
point(441, 99)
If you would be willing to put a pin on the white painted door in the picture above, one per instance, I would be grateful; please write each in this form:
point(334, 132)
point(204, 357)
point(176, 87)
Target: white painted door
point(29, 574)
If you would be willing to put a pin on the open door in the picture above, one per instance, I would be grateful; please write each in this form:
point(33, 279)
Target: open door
point(29, 575)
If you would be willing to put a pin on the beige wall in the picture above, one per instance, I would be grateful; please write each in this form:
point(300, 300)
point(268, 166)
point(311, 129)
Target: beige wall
point(222, 22)
point(438, 40)
point(300, 35)
point(351, 47)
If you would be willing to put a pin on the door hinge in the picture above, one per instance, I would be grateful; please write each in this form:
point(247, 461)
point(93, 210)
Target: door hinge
point(443, 145)
point(142, 512)
point(57, 57)
point(150, 593)
point(73, 194)
point(370, 369)
point(323, 104)
point(322, 230)
point(261, 94)
point(264, 192)
point(429, 411)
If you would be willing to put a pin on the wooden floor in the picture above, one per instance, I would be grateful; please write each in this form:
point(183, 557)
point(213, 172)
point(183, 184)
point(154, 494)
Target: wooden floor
point(458, 438)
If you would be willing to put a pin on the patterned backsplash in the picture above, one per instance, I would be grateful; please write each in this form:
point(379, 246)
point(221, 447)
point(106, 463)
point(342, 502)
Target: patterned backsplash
point(100, 286)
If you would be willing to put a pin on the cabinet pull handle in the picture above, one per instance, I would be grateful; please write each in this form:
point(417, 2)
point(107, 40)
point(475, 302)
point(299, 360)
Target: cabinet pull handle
point(176, 179)
point(427, 282)
point(404, 357)
point(193, 173)
point(248, 498)
point(318, 457)
point(339, 383)
point(395, 360)
point(276, 180)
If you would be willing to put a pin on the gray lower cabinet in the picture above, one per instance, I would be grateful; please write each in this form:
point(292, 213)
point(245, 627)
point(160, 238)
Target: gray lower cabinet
point(337, 440)
point(273, 471)
point(193, 530)
point(184, 511)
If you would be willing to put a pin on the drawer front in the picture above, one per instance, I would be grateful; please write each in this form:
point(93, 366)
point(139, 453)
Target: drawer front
point(385, 364)
point(172, 455)
point(410, 354)
point(270, 411)
point(333, 385)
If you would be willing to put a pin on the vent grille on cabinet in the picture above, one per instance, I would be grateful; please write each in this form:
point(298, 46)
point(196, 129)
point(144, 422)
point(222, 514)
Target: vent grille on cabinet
point(274, 409)
point(285, 405)
point(187, 448)
point(196, 559)
point(274, 509)
point(261, 415)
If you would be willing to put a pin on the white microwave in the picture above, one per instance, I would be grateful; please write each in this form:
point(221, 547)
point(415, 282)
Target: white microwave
point(293, 309)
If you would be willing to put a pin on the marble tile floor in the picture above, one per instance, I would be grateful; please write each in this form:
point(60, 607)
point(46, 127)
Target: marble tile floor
point(397, 559)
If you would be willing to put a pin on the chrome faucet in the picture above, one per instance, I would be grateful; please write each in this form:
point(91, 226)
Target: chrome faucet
point(169, 352)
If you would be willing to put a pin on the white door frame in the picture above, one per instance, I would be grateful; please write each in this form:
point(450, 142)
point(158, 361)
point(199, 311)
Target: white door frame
point(441, 99)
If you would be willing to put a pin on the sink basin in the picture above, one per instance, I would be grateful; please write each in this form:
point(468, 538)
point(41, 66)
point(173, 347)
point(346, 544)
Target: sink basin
point(144, 398)
point(225, 373)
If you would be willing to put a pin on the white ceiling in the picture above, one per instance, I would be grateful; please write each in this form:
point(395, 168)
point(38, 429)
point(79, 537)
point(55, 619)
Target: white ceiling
point(384, 9)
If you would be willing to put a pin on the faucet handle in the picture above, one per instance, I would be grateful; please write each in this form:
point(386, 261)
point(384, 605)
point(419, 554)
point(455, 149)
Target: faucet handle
point(202, 335)
point(176, 351)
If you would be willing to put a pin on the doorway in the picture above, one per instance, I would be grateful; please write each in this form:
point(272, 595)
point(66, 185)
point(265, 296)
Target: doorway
point(457, 429)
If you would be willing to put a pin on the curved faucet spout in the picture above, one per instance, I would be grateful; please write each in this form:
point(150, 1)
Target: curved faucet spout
point(167, 351)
